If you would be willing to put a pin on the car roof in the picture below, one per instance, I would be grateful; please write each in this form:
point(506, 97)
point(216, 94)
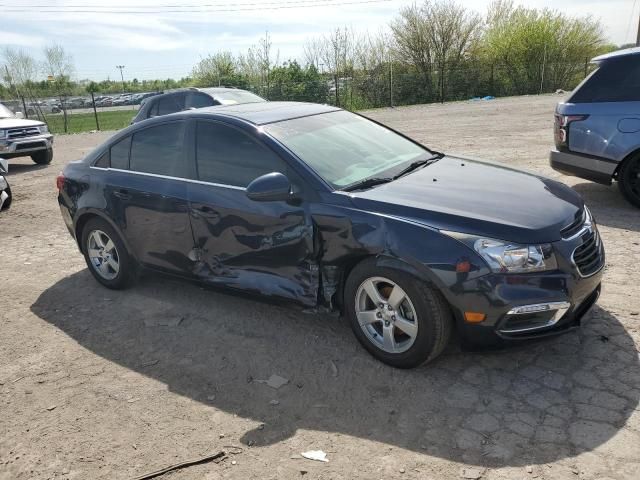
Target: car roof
point(617, 54)
point(262, 113)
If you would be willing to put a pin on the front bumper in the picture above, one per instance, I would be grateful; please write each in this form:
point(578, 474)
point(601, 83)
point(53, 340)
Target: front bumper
point(595, 169)
point(25, 146)
point(529, 306)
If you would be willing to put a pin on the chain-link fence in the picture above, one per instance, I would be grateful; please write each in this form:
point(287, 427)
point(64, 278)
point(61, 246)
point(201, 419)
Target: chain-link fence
point(67, 114)
point(388, 85)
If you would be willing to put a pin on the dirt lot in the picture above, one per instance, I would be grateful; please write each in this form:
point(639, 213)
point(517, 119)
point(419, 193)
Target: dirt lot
point(102, 384)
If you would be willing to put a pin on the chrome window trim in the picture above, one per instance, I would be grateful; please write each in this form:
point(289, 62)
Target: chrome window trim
point(560, 307)
point(167, 177)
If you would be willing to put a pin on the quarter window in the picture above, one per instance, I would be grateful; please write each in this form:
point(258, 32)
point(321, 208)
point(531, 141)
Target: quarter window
point(160, 150)
point(199, 100)
point(171, 104)
point(228, 156)
point(616, 80)
point(120, 154)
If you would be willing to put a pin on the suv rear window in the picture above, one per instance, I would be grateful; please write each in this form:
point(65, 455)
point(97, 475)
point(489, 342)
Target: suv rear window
point(617, 80)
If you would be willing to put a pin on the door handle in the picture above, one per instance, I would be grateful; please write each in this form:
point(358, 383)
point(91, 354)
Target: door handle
point(122, 194)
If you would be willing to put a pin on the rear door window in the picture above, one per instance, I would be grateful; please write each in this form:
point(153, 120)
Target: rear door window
point(228, 156)
point(160, 150)
point(120, 154)
point(617, 80)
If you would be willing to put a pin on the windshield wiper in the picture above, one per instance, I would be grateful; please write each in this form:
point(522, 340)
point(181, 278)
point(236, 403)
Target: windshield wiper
point(367, 182)
point(419, 163)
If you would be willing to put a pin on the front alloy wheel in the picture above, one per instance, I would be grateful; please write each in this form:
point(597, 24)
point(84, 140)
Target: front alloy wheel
point(400, 319)
point(386, 315)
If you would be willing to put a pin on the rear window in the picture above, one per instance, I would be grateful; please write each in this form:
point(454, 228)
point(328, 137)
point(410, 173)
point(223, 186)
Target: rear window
point(616, 80)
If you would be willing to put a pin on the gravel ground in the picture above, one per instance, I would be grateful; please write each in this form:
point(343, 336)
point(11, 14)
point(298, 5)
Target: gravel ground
point(102, 384)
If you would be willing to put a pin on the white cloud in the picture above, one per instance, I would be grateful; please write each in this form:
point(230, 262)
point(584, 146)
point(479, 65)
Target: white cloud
point(21, 39)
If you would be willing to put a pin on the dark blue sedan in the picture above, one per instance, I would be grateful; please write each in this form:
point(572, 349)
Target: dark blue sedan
point(326, 208)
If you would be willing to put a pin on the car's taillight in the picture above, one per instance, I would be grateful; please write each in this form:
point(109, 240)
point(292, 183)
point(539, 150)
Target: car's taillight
point(561, 129)
point(60, 182)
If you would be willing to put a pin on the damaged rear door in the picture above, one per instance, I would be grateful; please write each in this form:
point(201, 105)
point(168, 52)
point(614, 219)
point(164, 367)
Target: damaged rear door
point(264, 247)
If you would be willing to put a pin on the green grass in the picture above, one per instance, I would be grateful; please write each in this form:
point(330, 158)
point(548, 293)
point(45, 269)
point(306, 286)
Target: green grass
point(85, 122)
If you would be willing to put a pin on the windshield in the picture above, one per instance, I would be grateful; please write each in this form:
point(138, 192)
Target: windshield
point(344, 148)
point(5, 112)
point(230, 97)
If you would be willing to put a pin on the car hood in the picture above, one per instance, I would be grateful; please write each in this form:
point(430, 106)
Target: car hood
point(478, 198)
point(18, 122)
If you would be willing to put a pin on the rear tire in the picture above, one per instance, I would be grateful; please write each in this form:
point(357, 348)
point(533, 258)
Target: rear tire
point(106, 255)
point(43, 157)
point(629, 180)
point(412, 327)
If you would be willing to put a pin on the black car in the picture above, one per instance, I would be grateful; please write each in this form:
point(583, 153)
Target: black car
point(190, 98)
point(324, 207)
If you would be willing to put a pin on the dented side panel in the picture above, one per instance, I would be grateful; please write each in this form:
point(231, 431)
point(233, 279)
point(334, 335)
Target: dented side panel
point(347, 235)
point(261, 247)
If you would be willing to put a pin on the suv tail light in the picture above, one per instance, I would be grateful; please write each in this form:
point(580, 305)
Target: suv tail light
point(561, 129)
point(60, 182)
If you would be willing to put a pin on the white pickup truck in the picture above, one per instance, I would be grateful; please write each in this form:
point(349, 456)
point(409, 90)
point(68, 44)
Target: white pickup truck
point(20, 137)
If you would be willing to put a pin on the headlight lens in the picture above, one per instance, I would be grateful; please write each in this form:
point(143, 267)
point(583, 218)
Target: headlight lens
point(3, 133)
point(43, 129)
point(508, 257)
point(504, 257)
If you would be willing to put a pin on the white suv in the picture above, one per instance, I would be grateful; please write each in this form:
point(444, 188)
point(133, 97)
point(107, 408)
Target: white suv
point(20, 137)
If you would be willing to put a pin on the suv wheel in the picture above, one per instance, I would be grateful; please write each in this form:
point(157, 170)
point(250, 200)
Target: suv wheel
point(43, 157)
point(106, 256)
point(399, 319)
point(629, 180)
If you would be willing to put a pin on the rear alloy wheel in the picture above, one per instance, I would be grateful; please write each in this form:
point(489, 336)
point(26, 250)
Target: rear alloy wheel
point(106, 255)
point(629, 180)
point(398, 318)
point(43, 157)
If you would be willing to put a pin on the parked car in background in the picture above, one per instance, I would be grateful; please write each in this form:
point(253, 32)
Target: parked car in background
point(186, 99)
point(597, 129)
point(5, 189)
point(20, 137)
point(323, 207)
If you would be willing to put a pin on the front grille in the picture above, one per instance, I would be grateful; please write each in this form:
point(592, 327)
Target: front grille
point(575, 226)
point(588, 256)
point(15, 133)
point(29, 145)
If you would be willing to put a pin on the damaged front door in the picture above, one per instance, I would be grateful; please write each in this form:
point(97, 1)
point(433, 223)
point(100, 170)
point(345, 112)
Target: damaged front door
point(265, 247)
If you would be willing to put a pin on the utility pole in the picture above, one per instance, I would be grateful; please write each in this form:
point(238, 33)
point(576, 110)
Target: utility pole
point(121, 67)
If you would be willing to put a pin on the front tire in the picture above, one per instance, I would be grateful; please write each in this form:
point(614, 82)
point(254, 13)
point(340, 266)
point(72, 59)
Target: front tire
point(629, 180)
point(43, 157)
point(106, 255)
point(398, 318)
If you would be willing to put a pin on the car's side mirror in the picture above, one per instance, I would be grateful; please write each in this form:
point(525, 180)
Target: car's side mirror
point(271, 187)
point(19, 115)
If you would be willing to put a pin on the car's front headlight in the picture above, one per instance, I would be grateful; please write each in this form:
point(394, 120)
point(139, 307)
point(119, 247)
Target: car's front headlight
point(43, 129)
point(509, 257)
point(3, 134)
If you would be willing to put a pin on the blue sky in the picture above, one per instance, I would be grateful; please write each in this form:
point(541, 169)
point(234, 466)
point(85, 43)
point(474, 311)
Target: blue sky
point(161, 45)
